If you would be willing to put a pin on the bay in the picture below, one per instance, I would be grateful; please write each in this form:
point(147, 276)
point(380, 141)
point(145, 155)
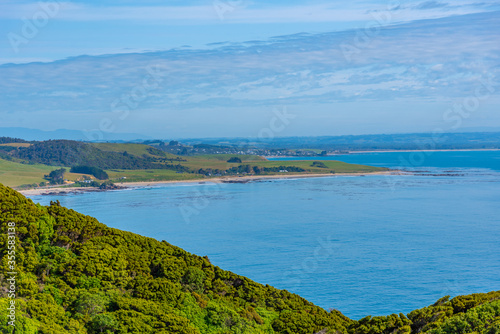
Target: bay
point(370, 245)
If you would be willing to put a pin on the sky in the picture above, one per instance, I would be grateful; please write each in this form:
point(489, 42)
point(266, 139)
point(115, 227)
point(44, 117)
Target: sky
point(238, 68)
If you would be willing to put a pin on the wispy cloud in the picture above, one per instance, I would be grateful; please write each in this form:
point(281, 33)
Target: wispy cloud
point(63, 93)
point(425, 61)
point(247, 12)
point(431, 5)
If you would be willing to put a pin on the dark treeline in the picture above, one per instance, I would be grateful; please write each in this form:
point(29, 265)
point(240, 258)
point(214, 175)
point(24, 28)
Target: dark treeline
point(98, 173)
point(248, 169)
point(10, 140)
point(288, 169)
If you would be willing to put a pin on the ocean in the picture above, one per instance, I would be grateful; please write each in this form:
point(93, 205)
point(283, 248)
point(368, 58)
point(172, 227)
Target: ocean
point(371, 245)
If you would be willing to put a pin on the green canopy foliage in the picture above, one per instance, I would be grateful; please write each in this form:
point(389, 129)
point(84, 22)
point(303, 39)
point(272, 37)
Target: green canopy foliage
point(76, 275)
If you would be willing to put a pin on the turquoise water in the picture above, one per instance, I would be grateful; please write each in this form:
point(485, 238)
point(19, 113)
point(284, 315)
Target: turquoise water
point(417, 160)
point(370, 245)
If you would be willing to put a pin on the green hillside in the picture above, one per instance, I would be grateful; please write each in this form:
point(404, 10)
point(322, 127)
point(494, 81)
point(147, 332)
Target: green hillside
point(73, 153)
point(15, 174)
point(129, 162)
point(76, 275)
point(139, 150)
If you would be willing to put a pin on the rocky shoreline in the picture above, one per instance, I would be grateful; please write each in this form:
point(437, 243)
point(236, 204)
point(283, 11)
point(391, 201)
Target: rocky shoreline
point(244, 179)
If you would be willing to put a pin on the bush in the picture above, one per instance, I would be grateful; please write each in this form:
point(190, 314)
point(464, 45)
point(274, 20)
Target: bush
point(235, 160)
point(319, 164)
point(98, 173)
point(56, 176)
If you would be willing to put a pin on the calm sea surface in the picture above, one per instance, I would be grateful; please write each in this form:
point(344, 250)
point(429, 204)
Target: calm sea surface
point(370, 245)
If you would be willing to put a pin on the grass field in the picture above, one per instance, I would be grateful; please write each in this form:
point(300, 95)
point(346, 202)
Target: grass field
point(217, 162)
point(17, 144)
point(336, 166)
point(133, 149)
point(226, 157)
point(13, 174)
point(150, 175)
point(220, 162)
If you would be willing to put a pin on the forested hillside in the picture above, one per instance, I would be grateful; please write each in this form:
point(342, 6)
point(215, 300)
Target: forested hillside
point(76, 275)
point(5, 140)
point(74, 153)
point(79, 276)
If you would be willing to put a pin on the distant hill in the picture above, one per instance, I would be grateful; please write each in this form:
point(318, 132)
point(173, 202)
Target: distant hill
point(35, 134)
point(409, 141)
point(75, 153)
point(472, 138)
point(482, 129)
point(76, 275)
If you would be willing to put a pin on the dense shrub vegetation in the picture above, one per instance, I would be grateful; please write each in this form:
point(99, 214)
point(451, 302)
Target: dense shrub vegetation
point(56, 176)
point(76, 275)
point(79, 276)
point(319, 164)
point(97, 172)
point(289, 169)
point(234, 160)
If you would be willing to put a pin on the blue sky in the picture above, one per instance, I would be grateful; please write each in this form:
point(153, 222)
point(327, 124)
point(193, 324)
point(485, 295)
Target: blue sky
point(223, 68)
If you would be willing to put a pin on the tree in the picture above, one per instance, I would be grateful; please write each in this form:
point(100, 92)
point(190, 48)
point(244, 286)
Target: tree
point(194, 278)
point(98, 173)
point(319, 164)
point(234, 160)
point(56, 176)
point(103, 323)
point(90, 304)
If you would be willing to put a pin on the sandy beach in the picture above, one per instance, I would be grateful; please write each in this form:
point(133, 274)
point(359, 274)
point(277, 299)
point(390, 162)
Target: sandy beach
point(243, 179)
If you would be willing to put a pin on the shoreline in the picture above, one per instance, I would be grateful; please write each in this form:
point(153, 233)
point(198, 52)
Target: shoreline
point(410, 151)
point(243, 179)
point(384, 151)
